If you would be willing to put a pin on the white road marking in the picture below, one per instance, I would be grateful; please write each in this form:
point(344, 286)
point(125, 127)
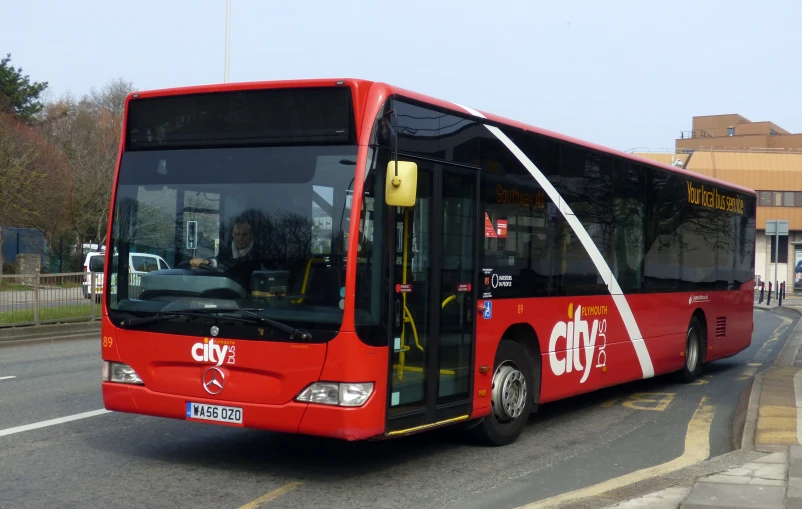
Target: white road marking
point(7, 377)
point(52, 422)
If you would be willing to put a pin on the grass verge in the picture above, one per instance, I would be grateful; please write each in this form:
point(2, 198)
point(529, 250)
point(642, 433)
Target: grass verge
point(13, 287)
point(74, 312)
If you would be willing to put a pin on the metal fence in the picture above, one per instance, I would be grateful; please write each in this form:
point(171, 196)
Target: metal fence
point(33, 299)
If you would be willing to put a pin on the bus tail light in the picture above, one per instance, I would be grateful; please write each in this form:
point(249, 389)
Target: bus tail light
point(334, 393)
point(120, 373)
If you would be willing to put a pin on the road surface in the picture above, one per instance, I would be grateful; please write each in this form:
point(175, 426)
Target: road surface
point(121, 460)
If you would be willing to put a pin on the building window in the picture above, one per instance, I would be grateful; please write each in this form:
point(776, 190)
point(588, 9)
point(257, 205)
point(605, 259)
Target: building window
point(783, 248)
point(779, 198)
point(730, 131)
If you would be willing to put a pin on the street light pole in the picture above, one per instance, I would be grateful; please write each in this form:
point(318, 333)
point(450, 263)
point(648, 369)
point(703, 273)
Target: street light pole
point(228, 36)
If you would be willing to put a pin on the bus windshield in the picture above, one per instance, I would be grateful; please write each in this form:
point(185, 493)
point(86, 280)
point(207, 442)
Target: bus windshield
point(257, 228)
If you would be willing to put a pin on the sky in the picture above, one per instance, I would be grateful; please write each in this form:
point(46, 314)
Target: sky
point(623, 73)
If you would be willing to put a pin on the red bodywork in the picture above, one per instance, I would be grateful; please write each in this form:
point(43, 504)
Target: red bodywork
point(267, 376)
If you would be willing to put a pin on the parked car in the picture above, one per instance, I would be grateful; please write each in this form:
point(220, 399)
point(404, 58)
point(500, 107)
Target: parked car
point(138, 263)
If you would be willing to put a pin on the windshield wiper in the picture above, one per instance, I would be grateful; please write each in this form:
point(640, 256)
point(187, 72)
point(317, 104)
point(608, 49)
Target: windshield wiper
point(245, 315)
point(303, 335)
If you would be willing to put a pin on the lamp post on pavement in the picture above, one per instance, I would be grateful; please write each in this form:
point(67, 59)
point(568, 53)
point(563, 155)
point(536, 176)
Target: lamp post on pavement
point(228, 37)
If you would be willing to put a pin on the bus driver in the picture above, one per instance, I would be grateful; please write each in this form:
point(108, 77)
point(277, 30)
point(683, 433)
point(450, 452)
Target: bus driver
point(241, 249)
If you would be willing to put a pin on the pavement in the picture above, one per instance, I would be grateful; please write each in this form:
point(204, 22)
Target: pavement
point(771, 475)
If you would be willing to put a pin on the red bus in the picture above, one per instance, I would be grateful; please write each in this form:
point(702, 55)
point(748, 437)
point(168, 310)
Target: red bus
point(354, 260)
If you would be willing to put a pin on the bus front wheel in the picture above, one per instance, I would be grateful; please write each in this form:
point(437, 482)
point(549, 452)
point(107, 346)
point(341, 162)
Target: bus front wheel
point(511, 396)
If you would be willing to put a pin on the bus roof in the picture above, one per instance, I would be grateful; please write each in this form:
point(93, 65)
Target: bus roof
point(361, 88)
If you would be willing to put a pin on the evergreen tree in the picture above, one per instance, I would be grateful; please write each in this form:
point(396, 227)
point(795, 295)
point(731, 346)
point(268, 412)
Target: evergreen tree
point(18, 95)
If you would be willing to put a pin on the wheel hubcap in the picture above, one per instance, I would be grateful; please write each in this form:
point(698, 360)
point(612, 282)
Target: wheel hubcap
point(691, 351)
point(509, 393)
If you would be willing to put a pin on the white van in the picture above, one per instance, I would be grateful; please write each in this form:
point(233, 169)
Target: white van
point(138, 263)
point(95, 262)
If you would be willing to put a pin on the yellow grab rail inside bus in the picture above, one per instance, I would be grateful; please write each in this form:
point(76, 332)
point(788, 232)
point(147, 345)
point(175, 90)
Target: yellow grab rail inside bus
point(306, 278)
point(407, 317)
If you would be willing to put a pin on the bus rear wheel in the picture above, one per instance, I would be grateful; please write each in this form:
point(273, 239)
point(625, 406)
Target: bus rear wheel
point(511, 396)
point(694, 352)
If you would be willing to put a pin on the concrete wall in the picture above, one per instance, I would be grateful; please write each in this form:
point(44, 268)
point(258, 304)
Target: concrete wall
point(28, 264)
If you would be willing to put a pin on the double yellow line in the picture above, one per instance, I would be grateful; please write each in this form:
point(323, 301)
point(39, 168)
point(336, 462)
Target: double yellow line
point(697, 449)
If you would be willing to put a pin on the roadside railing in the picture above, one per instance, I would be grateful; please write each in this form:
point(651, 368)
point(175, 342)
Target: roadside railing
point(689, 150)
point(33, 299)
point(698, 133)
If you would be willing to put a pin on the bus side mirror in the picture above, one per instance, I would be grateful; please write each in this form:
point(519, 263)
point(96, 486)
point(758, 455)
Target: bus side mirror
point(401, 187)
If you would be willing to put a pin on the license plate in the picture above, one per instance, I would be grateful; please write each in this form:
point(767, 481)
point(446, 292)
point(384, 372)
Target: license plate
point(216, 413)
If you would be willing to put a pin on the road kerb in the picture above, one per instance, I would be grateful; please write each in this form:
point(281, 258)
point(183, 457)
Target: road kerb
point(16, 335)
point(789, 351)
point(750, 424)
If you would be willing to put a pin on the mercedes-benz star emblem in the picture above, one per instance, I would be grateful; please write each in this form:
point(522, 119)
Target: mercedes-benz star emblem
point(215, 331)
point(214, 380)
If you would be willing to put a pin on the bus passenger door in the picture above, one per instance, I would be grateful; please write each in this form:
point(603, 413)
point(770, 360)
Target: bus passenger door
point(433, 300)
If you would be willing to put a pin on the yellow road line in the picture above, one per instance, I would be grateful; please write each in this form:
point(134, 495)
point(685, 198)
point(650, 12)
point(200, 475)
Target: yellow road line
point(774, 337)
point(609, 403)
point(750, 371)
point(697, 449)
point(269, 497)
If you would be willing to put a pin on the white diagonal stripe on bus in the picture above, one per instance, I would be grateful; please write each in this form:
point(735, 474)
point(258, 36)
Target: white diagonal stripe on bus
point(619, 299)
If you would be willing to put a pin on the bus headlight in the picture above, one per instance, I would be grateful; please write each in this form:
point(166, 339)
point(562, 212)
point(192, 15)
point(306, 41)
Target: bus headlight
point(355, 394)
point(340, 394)
point(120, 373)
point(322, 393)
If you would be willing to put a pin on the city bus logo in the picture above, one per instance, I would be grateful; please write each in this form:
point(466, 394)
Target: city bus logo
point(218, 352)
point(579, 337)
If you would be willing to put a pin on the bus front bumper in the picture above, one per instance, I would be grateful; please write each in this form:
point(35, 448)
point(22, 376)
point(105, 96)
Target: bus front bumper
point(293, 417)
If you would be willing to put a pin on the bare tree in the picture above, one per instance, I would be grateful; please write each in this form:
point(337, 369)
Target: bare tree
point(88, 132)
point(31, 178)
point(144, 224)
